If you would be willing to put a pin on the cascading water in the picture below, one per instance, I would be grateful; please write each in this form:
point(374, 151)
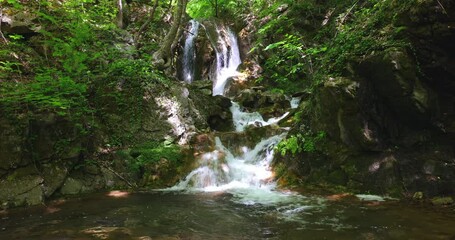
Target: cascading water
point(246, 173)
point(295, 101)
point(227, 59)
point(244, 119)
point(189, 52)
point(221, 170)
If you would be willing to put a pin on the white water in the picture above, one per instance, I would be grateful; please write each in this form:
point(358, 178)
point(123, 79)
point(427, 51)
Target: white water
point(248, 175)
point(189, 53)
point(244, 119)
point(295, 101)
point(227, 59)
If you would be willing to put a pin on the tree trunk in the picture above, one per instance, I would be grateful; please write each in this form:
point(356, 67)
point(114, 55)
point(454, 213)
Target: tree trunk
point(137, 37)
point(119, 18)
point(162, 57)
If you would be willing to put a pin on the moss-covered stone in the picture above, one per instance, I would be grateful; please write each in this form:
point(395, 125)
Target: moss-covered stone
point(442, 201)
point(22, 187)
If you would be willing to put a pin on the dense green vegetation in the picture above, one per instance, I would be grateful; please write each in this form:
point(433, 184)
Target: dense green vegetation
point(94, 65)
point(306, 43)
point(77, 64)
point(71, 35)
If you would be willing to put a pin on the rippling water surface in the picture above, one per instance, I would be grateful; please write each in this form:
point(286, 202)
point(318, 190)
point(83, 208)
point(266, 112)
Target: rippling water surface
point(171, 215)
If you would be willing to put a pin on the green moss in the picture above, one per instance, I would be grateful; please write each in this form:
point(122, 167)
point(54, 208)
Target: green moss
point(442, 201)
point(152, 153)
point(285, 177)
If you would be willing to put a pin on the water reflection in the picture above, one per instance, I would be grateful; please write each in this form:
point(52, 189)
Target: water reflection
point(164, 215)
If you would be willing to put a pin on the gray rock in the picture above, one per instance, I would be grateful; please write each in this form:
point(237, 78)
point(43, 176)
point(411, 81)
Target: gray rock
point(54, 175)
point(22, 187)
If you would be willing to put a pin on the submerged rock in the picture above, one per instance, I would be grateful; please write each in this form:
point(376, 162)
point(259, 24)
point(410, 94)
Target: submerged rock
point(442, 201)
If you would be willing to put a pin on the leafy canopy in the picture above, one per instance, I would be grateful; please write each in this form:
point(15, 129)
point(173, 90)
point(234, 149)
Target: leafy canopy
point(206, 9)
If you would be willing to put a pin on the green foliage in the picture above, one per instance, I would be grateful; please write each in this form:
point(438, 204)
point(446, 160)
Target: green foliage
point(363, 29)
point(200, 9)
point(152, 153)
point(8, 68)
point(79, 66)
point(14, 3)
point(138, 69)
point(51, 90)
point(298, 53)
point(300, 142)
point(290, 144)
point(206, 9)
point(10, 64)
point(288, 61)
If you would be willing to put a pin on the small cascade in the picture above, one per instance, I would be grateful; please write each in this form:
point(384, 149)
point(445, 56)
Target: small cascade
point(189, 52)
point(243, 119)
point(227, 59)
point(240, 167)
point(295, 101)
point(221, 170)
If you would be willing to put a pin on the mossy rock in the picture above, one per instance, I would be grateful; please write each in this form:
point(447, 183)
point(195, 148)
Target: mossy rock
point(439, 201)
point(156, 164)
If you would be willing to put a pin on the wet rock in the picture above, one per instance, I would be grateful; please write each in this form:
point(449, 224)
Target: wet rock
point(179, 111)
point(341, 115)
point(267, 103)
point(248, 98)
point(302, 95)
point(203, 143)
point(212, 111)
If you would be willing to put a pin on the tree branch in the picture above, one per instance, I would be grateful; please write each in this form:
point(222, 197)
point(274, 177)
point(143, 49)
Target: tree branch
point(146, 23)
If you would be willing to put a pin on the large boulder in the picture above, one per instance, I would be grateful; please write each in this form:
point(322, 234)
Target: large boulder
point(21, 187)
point(394, 77)
point(212, 111)
point(267, 103)
point(382, 131)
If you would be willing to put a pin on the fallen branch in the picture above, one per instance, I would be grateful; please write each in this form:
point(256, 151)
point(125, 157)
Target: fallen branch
point(1, 33)
point(119, 176)
point(343, 19)
point(443, 8)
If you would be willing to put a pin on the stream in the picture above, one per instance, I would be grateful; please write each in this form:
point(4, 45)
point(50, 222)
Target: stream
point(174, 215)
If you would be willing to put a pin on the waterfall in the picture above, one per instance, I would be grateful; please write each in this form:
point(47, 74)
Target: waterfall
point(224, 42)
point(239, 167)
point(227, 59)
point(189, 53)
